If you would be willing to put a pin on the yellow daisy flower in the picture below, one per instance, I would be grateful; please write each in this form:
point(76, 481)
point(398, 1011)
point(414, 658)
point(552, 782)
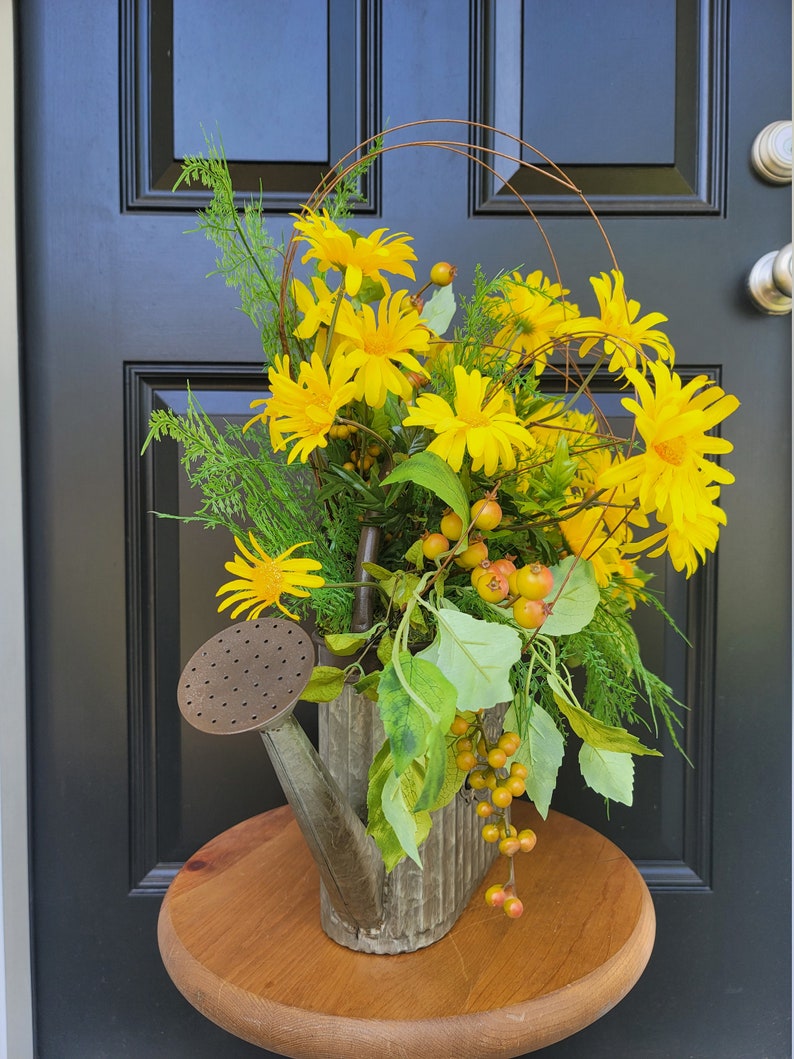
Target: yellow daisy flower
point(375, 347)
point(316, 309)
point(354, 255)
point(304, 411)
point(487, 428)
point(261, 581)
point(697, 535)
point(531, 311)
point(671, 476)
point(622, 334)
point(587, 534)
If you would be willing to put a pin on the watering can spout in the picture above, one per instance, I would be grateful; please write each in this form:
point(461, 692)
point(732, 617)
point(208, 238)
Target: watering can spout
point(248, 678)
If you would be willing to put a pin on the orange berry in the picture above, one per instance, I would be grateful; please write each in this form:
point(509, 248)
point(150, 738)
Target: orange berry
point(496, 757)
point(501, 797)
point(473, 555)
point(495, 896)
point(515, 785)
point(484, 809)
point(451, 525)
point(492, 587)
point(527, 839)
point(434, 544)
point(490, 833)
point(442, 273)
point(529, 613)
point(513, 907)
point(534, 581)
point(459, 726)
point(508, 847)
point(486, 514)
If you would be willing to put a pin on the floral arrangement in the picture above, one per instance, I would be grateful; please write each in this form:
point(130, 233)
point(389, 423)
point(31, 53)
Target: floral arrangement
point(432, 479)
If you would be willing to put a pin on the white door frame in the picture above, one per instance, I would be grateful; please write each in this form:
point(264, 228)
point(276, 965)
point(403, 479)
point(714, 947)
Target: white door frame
point(16, 1007)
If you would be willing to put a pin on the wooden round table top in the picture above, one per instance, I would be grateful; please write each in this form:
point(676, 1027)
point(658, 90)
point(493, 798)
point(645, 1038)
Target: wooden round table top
point(240, 936)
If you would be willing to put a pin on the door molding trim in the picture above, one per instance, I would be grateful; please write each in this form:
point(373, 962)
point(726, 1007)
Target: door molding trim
point(16, 1000)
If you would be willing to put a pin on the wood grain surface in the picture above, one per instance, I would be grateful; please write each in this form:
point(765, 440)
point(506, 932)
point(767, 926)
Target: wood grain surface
point(240, 936)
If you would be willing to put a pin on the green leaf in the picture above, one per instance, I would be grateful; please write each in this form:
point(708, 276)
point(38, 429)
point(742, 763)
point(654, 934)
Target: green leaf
point(432, 473)
point(346, 643)
point(578, 600)
point(408, 722)
point(476, 657)
point(415, 827)
point(399, 585)
point(435, 768)
point(370, 291)
point(384, 649)
point(325, 684)
point(399, 816)
point(453, 777)
point(368, 685)
point(608, 773)
point(438, 311)
point(541, 752)
point(599, 735)
point(415, 556)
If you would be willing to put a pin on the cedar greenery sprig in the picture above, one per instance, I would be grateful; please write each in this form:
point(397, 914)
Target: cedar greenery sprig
point(244, 486)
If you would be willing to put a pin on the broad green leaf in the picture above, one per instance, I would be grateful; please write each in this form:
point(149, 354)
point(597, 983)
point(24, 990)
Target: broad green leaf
point(408, 722)
point(325, 683)
point(541, 752)
point(608, 773)
point(578, 600)
point(400, 817)
point(415, 556)
point(453, 777)
point(384, 649)
point(599, 735)
point(435, 768)
point(431, 472)
point(368, 685)
point(385, 835)
point(399, 585)
point(438, 311)
point(370, 291)
point(476, 657)
point(346, 643)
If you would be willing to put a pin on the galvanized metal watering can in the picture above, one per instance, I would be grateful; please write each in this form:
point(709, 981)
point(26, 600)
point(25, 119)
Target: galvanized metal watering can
point(248, 678)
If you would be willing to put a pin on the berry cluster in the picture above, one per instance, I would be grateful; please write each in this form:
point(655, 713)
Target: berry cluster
point(497, 581)
point(487, 765)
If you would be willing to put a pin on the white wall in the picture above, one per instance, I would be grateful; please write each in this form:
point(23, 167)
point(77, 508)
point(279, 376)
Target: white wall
point(16, 1033)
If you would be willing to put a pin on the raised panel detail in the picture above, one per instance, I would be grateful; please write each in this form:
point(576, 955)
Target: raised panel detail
point(185, 786)
point(638, 129)
point(186, 64)
point(261, 45)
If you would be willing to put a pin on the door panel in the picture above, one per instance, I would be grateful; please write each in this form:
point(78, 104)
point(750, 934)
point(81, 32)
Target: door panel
point(118, 320)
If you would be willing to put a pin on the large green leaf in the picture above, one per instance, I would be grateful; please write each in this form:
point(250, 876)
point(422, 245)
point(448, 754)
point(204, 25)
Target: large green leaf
point(476, 657)
point(578, 599)
point(608, 773)
point(438, 311)
point(435, 768)
point(409, 715)
point(398, 585)
point(411, 828)
point(599, 735)
point(541, 752)
point(432, 473)
point(325, 683)
point(346, 643)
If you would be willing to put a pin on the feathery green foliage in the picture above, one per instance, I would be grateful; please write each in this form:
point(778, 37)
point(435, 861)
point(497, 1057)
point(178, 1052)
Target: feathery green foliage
point(245, 487)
